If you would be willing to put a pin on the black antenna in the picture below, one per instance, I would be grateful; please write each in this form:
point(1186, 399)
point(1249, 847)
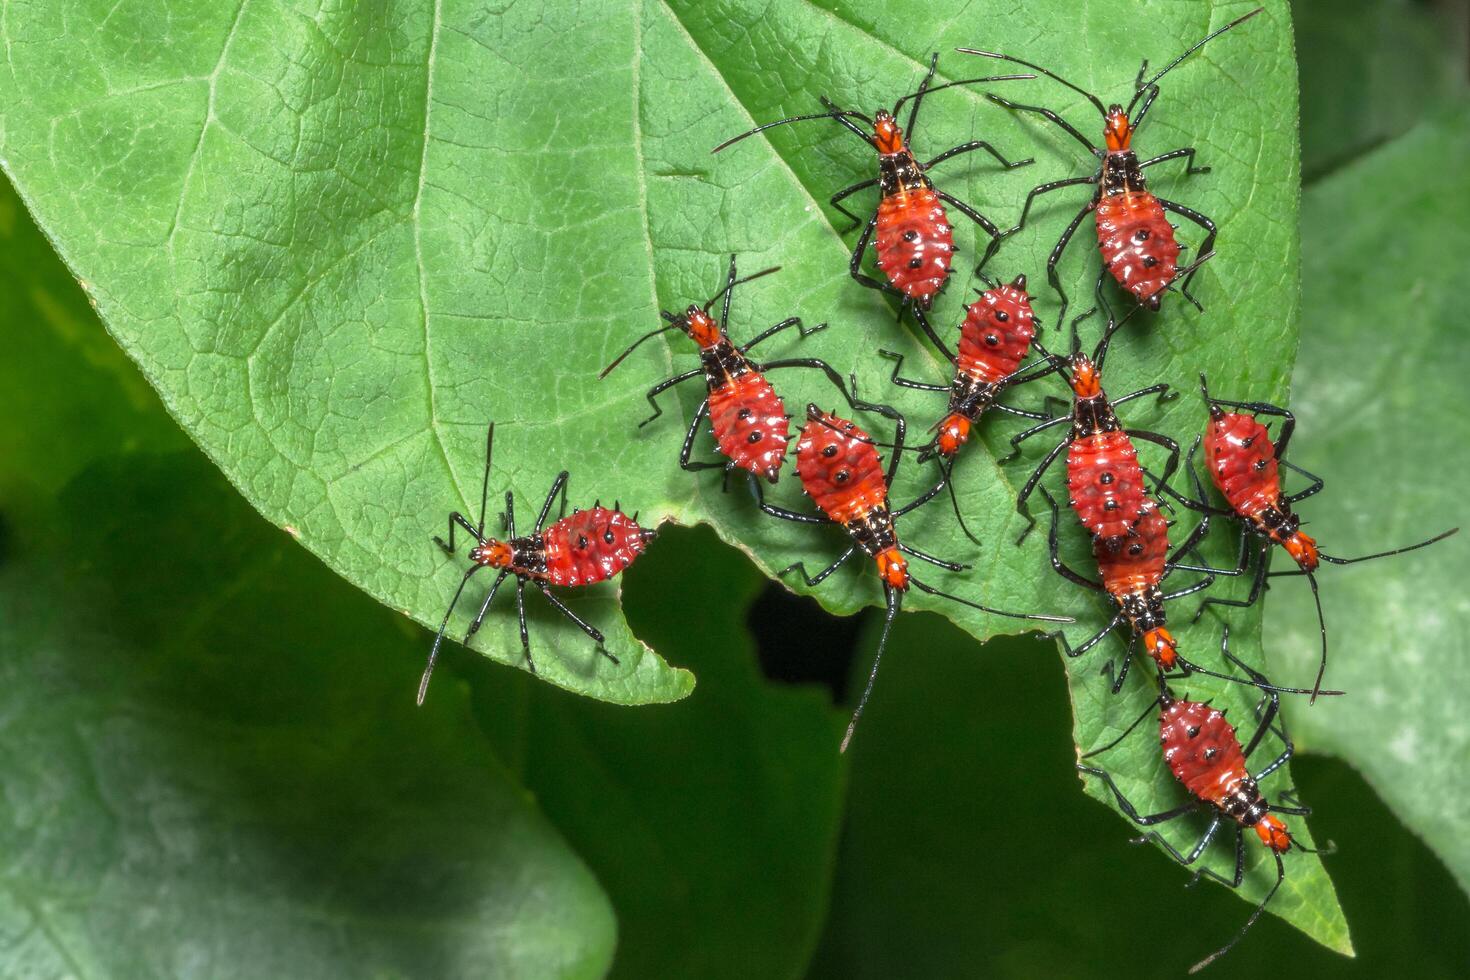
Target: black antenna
point(837, 114)
point(1191, 50)
point(634, 346)
point(1047, 72)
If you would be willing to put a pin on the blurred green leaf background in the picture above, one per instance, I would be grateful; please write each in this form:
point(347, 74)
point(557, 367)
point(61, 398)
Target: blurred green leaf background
point(212, 767)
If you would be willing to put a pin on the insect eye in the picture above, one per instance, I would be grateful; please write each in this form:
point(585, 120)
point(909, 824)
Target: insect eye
point(829, 451)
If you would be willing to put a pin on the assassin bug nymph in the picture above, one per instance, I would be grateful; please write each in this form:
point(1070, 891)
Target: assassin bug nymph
point(910, 229)
point(1132, 576)
point(747, 417)
point(995, 338)
point(840, 469)
point(581, 548)
point(1204, 753)
point(1134, 235)
point(1244, 465)
point(1104, 478)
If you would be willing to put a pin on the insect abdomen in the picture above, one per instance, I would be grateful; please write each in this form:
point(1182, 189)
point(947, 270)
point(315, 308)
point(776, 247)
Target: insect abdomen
point(1138, 565)
point(840, 468)
point(591, 546)
point(1137, 244)
point(915, 243)
point(750, 424)
point(1105, 484)
point(996, 334)
point(1202, 751)
point(1242, 462)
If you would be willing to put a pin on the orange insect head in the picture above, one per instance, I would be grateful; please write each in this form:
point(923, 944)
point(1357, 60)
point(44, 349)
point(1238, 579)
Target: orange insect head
point(492, 554)
point(701, 327)
point(1085, 380)
point(1303, 551)
point(885, 129)
point(1160, 645)
point(954, 429)
point(1274, 833)
point(893, 568)
point(1117, 130)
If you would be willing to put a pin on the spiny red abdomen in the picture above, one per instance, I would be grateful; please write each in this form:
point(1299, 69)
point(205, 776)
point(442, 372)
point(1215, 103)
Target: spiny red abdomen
point(749, 422)
point(1105, 484)
point(914, 243)
point(591, 546)
point(1242, 461)
point(1209, 762)
point(1137, 243)
point(1138, 565)
point(996, 334)
point(840, 468)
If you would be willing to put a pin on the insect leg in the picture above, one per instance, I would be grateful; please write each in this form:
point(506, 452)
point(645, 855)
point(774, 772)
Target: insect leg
point(581, 624)
point(1032, 482)
point(985, 224)
point(781, 512)
point(455, 517)
point(1204, 249)
point(771, 331)
point(521, 615)
point(662, 387)
point(1143, 820)
point(1257, 583)
point(1167, 443)
point(1050, 116)
point(814, 580)
point(812, 362)
point(1302, 494)
point(558, 486)
point(970, 147)
point(932, 334)
point(1056, 256)
point(1187, 152)
point(689, 437)
point(897, 359)
point(1021, 437)
point(1061, 567)
point(847, 192)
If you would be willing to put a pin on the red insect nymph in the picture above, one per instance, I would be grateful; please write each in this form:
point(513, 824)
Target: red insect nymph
point(840, 469)
point(1245, 466)
point(1133, 231)
point(747, 417)
point(1204, 753)
point(579, 549)
point(910, 228)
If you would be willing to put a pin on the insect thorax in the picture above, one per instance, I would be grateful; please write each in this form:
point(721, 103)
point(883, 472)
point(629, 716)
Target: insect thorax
point(874, 532)
point(1121, 173)
point(1091, 416)
point(970, 397)
point(528, 556)
point(722, 362)
point(1245, 804)
point(1277, 523)
point(900, 172)
point(1144, 610)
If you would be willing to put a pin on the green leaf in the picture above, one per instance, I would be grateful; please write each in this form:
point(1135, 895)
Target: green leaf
point(211, 766)
point(337, 243)
point(1371, 69)
point(967, 850)
point(1379, 397)
point(712, 823)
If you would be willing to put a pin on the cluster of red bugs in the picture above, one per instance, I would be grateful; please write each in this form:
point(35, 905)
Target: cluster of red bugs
point(1123, 507)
